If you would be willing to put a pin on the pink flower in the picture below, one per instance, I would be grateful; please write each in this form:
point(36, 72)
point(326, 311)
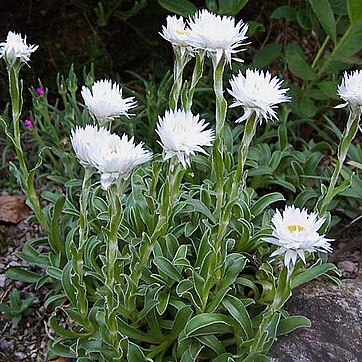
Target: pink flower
point(40, 91)
point(28, 123)
point(286, 74)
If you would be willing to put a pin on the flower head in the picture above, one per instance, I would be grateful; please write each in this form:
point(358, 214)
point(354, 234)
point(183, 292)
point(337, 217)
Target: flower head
point(257, 92)
point(175, 31)
point(105, 102)
point(216, 34)
point(119, 157)
point(350, 90)
point(40, 91)
point(295, 232)
point(114, 157)
point(182, 134)
point(15, 48)
point(87, 143)
point(28, 124)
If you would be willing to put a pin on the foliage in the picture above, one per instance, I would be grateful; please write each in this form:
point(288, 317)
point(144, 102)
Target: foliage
point(16, 308)
point(186, 7)
point(173, 265)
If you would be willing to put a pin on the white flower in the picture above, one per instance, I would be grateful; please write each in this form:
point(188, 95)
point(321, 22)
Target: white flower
point(175, 31)
point(350, 90)
point(15, 47)
point(216, 34)
point(85, 145)
point(182, 134)
point(118, 158)
point(105, 101)
point(257, 92)
point(114, 157)
point(295, 232)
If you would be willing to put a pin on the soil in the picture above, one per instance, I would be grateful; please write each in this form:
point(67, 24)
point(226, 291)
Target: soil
point(28, 340)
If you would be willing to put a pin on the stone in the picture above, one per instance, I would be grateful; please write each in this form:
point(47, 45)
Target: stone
point(2, 280)
point(336, 332)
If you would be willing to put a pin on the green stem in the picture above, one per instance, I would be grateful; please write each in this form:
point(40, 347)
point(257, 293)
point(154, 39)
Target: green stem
point(335, 50)
point(196, 76)
point(348, 135)
point(169, 197)
point(249, 132)
point(320, 51)
point(78, 263)
point(115, 210)
point(282, 294)
point(181, 59)
point(221, 107)
point(218, 168)
point(15, 88)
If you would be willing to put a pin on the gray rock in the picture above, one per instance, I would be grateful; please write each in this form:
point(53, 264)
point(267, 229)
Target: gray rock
point(336, 332)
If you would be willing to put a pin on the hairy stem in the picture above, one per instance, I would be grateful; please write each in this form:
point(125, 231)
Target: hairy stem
point(115, 211)
point(348, 135)
point(169, 197)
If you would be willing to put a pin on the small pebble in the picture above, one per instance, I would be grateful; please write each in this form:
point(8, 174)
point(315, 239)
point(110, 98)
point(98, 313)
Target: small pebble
point(20, 355)
point(2, 280)
point(348, 266)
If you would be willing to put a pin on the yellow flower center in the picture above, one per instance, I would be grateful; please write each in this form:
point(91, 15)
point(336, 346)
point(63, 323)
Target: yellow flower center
point(180, 32)
point(295, 227)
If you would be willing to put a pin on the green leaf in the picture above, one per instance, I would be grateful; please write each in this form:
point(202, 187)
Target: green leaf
point(225, 357)
point(283, 183)
point(55, 273)
point(179, 7)
point(308, 107)
point(237, 309)
point(60, 349)
point(163, 297)
point(133, 333)
point(200, 207)
point(304, 197)
point(68, 287)
point(297, 64)
point(213, 343)
point(254, 27)
point(324, 13)
point(290, 324)
point(313, 272)
point(343, 56)
point(266, 201)
point(15, 300)
point(65, 332)
point(135, 353)
point(354, 8)
point(329, 88)
point(339, 7)
point(55, 300)
point(22, 275)
point(260, 171)
point(287, 12)
point(197, 324)
point(181, 319)
point(25, 304)
point(231, 7)
point(266, 55)
point(216, 300)
point(165, 266)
